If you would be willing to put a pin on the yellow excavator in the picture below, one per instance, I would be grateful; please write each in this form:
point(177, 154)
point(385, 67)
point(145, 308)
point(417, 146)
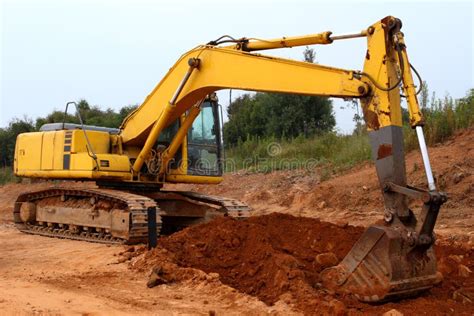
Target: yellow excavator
point(175, 136)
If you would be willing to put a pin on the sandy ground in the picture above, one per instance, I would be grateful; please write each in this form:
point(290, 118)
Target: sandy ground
point(40, 275)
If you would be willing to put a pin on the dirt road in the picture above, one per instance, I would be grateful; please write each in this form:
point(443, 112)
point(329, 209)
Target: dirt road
point(52, 276)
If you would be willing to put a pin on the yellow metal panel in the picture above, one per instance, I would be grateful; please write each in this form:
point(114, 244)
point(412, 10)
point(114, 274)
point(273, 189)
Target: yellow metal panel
point(100, 141)
point(28, 151)
point(107, 163)
point(47, 151)
point(381, 108)
point(193, 179)
point(59, 142)
point(416, 116)
point(82, 161)
point(75, 174)
point(257, 44)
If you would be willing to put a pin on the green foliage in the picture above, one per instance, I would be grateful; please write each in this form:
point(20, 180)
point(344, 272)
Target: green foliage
point(443, 117)
point(91, 115)
point(277, 115)
point(339, 152)
point(8, 137)
point(7, 176)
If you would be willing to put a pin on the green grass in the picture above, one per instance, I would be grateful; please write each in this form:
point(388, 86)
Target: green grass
point(265, 155)
point(7, 176)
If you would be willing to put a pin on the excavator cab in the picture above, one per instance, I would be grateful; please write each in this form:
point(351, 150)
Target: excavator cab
point(201, 150)
point(204, 141)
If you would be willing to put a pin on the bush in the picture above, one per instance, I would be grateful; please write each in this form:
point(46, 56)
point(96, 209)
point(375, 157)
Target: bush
point(7, 176)
point(329, 149)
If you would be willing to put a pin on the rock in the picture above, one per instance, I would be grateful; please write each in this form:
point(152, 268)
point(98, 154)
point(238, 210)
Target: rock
point(212, 276)
point(121, 260)
point(130, 249)
point(464, 271)
point(295, 273)
point(337, 308)
point(365, 188)
point(322, 204)
point(342, 224)
point(329, 246)
point(327, 259)
point(286, 297)
point(456, 258)
point(159, 276)
point(155, 280)
point(460, 296)
point(128, 255)
point(458, 177)
point(393, 312)
point(235, 242)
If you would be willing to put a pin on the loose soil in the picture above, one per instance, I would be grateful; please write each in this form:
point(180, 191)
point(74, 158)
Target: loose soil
point(278, 258)
point(267, 264)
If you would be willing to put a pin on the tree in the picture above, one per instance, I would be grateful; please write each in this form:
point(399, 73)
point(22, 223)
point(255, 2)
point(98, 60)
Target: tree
point(8, 138)
point(424, 95)
point(309, 55)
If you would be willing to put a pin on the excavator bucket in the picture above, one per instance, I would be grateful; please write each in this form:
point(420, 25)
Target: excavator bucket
point(382, 266)
point(395, 259)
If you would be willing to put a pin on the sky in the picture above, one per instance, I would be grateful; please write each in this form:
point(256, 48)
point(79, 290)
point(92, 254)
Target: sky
point(113, 52)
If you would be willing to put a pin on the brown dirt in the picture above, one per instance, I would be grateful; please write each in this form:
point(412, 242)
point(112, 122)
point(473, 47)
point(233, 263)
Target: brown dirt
point(243, 267)
point(48, 276)
point(275, 258)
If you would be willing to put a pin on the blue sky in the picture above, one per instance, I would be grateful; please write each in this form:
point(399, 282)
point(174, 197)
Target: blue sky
point(113, 53)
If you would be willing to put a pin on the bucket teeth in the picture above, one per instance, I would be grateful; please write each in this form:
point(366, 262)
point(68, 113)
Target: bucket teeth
point(382, 266)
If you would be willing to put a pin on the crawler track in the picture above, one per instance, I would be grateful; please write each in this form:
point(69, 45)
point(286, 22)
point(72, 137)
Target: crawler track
point(230, 207)
point(116, 216)
point(135, 205)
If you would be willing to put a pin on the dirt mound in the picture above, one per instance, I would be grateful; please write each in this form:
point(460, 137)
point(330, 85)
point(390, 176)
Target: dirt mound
point(263, 256)
point(278, 257)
